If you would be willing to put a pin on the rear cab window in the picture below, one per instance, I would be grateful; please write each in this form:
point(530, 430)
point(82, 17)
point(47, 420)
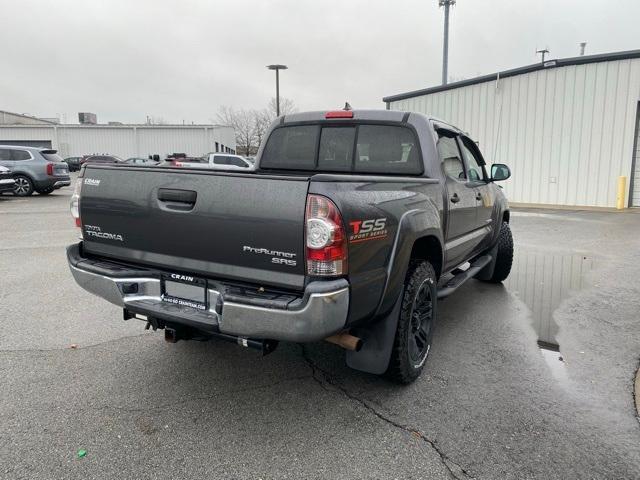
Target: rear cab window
point(359, 148)
point(291, 148)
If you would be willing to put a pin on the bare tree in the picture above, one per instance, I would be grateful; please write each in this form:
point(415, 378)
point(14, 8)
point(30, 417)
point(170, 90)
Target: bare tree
point(286, 107)
point(263, 118)
point(243, 123)
point(261, 122)
point(250, 126)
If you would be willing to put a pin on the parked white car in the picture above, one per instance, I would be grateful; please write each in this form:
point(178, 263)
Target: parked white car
point(218, 161)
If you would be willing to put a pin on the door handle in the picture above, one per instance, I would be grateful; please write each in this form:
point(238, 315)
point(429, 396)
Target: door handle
point(174, 199)
point(478, 196)
point(174, 195)
point(455, 198)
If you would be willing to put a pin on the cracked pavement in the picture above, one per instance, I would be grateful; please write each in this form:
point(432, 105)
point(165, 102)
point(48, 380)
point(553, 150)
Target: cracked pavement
point(489, 405)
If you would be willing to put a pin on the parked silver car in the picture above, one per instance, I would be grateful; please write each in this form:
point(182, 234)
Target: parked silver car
point(34, 169)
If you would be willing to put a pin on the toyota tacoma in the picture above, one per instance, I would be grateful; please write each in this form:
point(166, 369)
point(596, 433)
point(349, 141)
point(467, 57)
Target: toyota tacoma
point(350, 229)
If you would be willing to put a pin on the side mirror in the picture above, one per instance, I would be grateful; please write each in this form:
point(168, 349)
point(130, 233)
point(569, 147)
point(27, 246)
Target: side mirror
point(499, 172)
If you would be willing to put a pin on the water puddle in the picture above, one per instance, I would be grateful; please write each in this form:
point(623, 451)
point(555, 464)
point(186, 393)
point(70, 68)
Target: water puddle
point(542, 281)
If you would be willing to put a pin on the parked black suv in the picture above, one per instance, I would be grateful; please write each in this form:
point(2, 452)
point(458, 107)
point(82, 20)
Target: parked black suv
point(73, 163)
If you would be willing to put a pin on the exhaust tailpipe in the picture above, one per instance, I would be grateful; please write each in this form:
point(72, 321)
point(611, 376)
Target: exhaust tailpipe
point(346, 341)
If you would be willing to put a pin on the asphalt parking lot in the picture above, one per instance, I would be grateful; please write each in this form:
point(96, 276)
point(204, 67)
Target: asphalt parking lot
point(533, 379)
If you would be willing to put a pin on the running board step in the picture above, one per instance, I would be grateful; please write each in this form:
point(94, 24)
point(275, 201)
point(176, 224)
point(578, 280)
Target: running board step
point(453, 284)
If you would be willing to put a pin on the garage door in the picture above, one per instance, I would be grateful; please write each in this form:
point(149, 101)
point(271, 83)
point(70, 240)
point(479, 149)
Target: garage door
point(635, 185)
point(28, 143)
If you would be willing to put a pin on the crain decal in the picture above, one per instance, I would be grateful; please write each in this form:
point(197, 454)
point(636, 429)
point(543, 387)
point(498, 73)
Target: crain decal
point(184, 278)
point(95, 231)
point(362, 230)
point(92, 181)
point(281, 258)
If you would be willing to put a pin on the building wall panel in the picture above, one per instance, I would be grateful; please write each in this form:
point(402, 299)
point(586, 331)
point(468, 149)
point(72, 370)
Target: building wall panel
point(635, 195)
point(567, 133)
point(126, 140)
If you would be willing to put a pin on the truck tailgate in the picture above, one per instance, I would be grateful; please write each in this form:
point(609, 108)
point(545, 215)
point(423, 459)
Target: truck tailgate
point(234, 226)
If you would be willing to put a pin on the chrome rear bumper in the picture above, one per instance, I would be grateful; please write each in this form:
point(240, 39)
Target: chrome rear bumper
point(319, 313)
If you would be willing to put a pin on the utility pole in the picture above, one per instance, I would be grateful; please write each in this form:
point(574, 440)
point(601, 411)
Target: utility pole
point(544, 51)
point(582, 47)
point(277, 68)
point(445, 46)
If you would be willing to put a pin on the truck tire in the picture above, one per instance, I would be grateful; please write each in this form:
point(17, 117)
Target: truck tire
point(416, 323)
point(23, 186)
point(504, 255)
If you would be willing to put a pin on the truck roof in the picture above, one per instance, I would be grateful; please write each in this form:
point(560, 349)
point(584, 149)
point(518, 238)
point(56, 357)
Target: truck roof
point(379, 115)
point(375, 115)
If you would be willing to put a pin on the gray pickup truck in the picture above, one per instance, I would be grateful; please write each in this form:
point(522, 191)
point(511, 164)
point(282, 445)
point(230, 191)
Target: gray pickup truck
point(351, 227)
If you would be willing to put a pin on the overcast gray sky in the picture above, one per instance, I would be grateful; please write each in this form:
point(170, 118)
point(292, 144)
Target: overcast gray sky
point(181, 60)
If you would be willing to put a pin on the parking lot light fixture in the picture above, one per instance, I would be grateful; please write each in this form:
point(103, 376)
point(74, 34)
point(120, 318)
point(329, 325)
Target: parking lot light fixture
point(277, 68)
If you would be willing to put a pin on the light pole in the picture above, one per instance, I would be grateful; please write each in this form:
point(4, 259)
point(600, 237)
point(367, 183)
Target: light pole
point(445, 47)
point(277, 68)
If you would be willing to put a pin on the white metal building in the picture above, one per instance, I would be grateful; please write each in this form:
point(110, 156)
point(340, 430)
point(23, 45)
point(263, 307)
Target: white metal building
point(568, 128)
point(121, 140)
point(11, 118)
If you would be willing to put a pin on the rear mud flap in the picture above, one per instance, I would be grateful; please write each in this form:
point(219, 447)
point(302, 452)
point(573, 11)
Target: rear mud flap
point(487, 272)
point(378, 340)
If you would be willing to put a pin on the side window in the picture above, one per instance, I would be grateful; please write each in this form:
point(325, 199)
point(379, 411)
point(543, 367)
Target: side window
point(450, 158)
point(236, 161)
point(20, 155)
point(387, 149)
point(227, 160)
point(5, 154)
point(474, 167)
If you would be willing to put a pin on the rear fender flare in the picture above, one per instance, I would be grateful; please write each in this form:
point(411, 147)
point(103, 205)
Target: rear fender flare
point(379, 336)
point(413, 225)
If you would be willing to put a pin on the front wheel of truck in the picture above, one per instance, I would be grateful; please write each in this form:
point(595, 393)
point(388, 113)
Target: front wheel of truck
point(416, 323)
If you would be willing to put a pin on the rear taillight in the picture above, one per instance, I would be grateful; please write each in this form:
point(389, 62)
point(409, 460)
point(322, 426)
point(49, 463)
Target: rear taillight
point(325, 238)
point(49, 169)
point(75, 202)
